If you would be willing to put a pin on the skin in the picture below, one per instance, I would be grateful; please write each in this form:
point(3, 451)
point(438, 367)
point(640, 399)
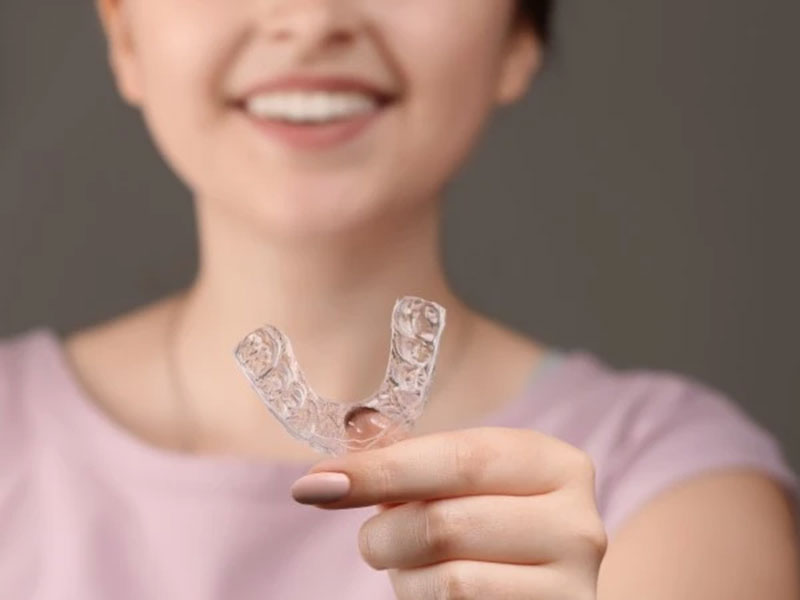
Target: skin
point(278, 230)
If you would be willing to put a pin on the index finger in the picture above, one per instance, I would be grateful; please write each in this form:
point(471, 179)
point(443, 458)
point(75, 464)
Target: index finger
point(478, 461)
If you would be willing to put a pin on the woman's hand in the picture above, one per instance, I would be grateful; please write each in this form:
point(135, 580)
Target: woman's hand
point(476, 513)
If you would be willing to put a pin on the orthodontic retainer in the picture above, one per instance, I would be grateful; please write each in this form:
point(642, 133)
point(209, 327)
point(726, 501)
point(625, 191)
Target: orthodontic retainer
point(266, 358)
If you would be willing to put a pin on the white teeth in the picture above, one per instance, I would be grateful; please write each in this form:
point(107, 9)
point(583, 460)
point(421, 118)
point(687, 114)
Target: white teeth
point(310, 106)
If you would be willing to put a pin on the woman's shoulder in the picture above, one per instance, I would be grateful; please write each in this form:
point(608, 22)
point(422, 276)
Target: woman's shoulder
point(589, 393)
point(20, 355)
point(648, 429)
point(24, 379)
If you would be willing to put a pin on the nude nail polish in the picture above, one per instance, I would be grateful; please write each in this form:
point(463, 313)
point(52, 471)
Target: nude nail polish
point(319, 488)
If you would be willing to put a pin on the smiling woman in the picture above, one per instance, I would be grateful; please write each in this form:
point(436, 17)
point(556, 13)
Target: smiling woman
point(211, 81)
point(317, 138)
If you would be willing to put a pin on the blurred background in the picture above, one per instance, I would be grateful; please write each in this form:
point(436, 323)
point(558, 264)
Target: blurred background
point(642, 203)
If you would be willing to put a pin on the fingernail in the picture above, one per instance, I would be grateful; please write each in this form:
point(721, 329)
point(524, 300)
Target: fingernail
point(318, 488)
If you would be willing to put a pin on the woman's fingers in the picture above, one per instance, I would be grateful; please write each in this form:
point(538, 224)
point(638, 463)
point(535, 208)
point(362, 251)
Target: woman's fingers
point(485, 460)
point(488, 512)
point(481, 580)
point(510, 529)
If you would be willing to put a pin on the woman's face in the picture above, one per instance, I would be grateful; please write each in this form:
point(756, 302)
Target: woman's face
point(191, 67)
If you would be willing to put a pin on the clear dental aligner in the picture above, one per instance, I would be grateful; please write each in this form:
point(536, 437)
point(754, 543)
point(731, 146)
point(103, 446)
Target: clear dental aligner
point(266, 358)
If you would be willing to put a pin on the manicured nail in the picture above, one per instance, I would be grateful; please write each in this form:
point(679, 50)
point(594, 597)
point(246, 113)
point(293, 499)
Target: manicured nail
point(318, 488)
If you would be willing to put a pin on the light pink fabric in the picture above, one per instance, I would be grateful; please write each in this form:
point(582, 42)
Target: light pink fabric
point(90, 512)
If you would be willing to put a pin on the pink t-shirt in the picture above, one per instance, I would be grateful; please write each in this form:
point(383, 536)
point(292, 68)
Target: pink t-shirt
point(88, 511)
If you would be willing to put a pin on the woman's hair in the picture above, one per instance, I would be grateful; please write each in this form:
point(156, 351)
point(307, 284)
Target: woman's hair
point(536, 13)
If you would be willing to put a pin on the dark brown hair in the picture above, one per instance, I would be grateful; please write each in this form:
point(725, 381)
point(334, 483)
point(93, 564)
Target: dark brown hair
point(537, 14)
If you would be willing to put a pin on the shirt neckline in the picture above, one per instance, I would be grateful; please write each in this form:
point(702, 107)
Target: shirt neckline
point(84, 426)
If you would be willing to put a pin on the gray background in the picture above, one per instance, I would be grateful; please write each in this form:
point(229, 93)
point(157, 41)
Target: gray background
point(642, 203)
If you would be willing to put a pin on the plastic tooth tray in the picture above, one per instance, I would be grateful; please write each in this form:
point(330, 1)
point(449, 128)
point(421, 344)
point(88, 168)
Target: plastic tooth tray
point(266, 358)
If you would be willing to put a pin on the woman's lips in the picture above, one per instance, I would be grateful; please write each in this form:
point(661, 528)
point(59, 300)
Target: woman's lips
point(316, 136)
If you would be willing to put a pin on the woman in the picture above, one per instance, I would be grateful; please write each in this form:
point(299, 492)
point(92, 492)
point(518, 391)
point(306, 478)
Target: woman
point(317, 137)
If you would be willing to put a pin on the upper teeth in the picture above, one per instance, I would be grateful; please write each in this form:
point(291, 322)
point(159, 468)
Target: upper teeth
point(310, 106)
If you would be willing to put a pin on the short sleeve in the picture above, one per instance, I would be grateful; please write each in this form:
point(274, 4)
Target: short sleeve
point(681, 429)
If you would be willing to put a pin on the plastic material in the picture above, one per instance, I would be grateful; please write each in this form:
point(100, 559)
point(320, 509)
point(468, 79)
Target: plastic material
point(265, 357)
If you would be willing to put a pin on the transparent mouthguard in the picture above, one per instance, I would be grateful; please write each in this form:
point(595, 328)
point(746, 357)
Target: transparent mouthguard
point(266, 358)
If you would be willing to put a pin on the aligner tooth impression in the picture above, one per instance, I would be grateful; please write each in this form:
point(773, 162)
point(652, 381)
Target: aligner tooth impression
point(266, 358)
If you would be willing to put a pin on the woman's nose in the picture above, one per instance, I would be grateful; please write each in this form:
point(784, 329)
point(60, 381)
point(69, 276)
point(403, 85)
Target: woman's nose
point(310, 25)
